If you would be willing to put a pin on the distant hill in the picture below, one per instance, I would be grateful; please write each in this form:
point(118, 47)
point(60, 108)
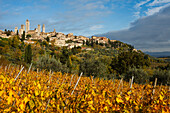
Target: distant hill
point(159, 54)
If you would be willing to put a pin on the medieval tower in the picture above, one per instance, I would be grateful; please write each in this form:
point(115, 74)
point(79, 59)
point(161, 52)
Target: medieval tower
point(43, 28)
point(39, 29)
point(27, 25)
point(23, 27)
point(15, 30)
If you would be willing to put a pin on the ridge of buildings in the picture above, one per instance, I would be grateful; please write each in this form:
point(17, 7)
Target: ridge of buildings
point(60, 39)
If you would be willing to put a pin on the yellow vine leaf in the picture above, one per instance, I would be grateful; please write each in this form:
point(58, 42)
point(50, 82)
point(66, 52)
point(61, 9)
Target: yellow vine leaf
point(9, 99)
point(119, 99)
point(108, 101)
point(42, 93)
point(26, 99)
point(161, 97)
point(10, 93)
point(129, 93)
point(2, 86)
point(127, 98)
point(1, 93)
point(39, 86)
point(58, 107)
point(105, 108)
point(91, 107)
point(36, 93)
point(90, 102)
point(22, 106)
point(8, 109)
point(31, 103)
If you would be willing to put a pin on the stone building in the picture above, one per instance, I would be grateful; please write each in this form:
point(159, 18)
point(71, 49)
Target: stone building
point(1, 32)
point(43, 28)
point(31, 32)
point(54, 31)
point(39, 29)
point(100, 39)
point(15, 30)
point(20, 32)
point(59, 42)
point(23, 27)
point(27, 26)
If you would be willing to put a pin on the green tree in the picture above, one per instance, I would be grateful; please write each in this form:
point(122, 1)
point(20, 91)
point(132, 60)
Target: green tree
point(140, 75)
point(17, 32)
point(125, 60)
point(69, 64)
point(101, 44)
point(87, 42)
point(109, 41)
point(163, 76)
point(28, 36)
point(7, 32)
point(48, 39)
point(28, 54)
point(17, 55)
point(92, 43)
point(23, 36)
point(47, 63)
point(83, 42)
point(45, 43)
point(97, 43)
point(92, 66)
point(65, 56)
point(14, 41)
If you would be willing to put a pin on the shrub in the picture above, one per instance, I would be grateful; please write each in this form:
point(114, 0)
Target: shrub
point(91, 66)
point(140, 76)
point(163, 76)
point(45, 62)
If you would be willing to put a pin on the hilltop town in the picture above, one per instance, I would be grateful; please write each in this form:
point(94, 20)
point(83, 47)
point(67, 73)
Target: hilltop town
point(59, 39)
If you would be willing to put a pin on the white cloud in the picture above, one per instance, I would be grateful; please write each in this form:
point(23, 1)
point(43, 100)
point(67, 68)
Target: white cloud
point(157, 2)
point(96, 27)
point(152, 7)
point(137, 14)
point(152, 11)
point(138, 5)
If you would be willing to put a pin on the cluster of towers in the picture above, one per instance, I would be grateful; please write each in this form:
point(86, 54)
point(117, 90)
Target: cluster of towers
point(27, 29)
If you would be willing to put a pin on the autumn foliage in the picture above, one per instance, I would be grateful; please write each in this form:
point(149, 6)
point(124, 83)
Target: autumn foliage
point(51, 92)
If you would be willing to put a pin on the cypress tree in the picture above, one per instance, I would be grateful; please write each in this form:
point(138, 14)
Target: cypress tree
point(97, 43)
point(17, 32)
point(48, 39)
point(23, 36)
point(28, 54)
point(87, 42)
point(92, 43)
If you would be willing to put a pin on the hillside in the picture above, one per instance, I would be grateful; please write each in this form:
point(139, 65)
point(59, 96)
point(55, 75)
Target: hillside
point(112, 59)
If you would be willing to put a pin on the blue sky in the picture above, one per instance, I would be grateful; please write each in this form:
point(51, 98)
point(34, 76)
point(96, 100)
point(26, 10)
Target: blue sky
point(82, 17)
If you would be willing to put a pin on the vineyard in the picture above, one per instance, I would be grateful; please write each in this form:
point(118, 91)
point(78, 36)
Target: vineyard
point(22, 90)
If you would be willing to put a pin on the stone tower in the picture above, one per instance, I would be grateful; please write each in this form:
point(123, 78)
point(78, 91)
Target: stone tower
point(54, 31)
point(15, 30)
point(39, 29)
point(43, 28)
point(23, 27)
point(27, 25)
point(20, 31)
